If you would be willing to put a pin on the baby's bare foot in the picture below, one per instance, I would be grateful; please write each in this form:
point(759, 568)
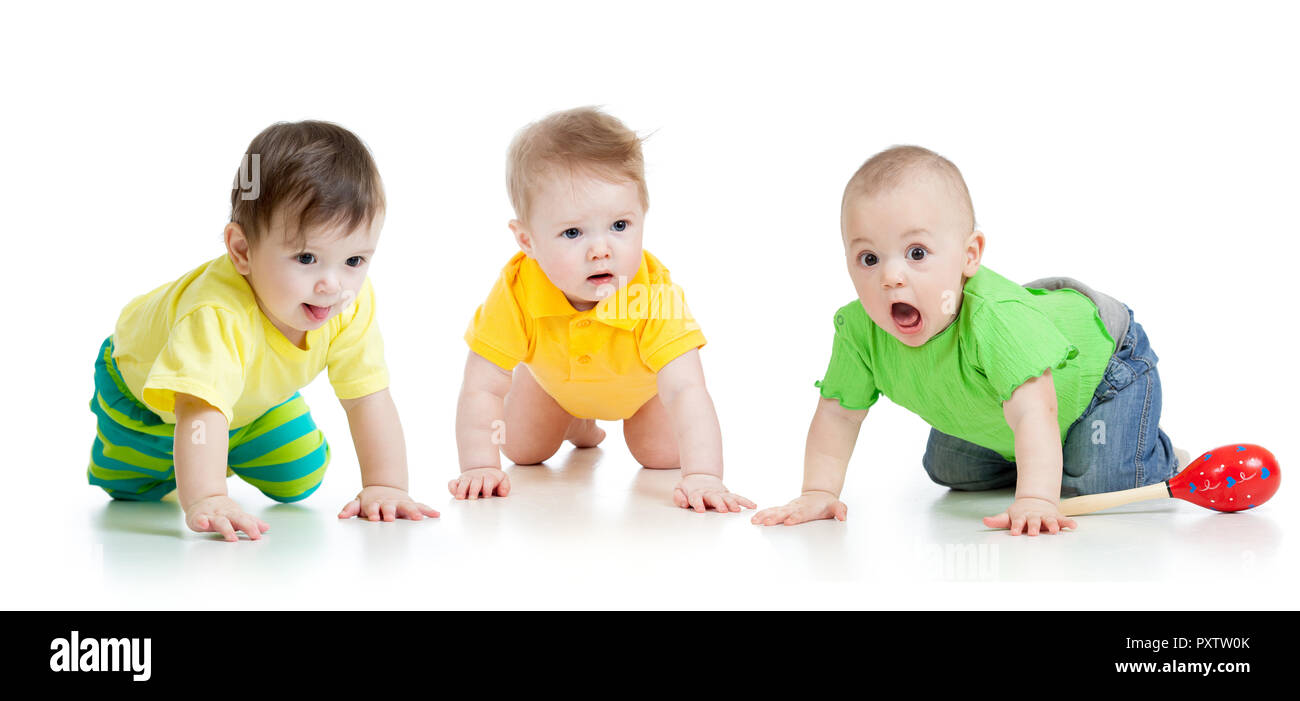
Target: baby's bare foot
point(584, 433)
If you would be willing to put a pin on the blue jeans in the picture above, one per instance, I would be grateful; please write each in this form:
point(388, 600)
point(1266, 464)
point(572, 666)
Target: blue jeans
point(1116, 444)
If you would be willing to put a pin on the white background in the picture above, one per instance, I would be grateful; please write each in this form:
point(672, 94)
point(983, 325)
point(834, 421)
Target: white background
point(1149, 149)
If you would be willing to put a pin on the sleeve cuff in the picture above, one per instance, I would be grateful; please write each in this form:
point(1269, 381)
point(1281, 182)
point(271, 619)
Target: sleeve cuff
point(361, 388)
point(502, 360)
point(838, 396)
point(669, 351)
point(1048, 363)
point(159, 394)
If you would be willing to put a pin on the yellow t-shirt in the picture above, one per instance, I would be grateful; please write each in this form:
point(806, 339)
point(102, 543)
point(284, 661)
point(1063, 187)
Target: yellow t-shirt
point(204, 335)
point(597, 364)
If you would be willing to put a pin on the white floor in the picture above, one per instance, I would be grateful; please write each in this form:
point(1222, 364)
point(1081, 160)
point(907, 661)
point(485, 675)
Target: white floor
point(590, 529)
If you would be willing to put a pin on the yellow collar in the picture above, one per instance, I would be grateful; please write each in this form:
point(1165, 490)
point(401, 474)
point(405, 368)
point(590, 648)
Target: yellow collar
point(543, 298)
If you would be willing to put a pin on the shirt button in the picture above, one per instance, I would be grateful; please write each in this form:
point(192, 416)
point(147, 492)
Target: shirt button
point(584, 323)
point(584, 359)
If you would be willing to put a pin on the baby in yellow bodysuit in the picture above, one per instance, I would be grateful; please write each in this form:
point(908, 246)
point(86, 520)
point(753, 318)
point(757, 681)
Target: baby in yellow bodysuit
point(583, 324)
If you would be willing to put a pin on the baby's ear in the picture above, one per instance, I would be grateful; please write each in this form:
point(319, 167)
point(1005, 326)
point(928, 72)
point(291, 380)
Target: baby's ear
point(522, 236)
point(974, 253)
point(237, 247)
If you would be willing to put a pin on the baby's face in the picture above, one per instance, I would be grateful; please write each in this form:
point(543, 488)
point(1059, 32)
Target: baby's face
point(300, 284)
point(584, 233)
point(909, 252)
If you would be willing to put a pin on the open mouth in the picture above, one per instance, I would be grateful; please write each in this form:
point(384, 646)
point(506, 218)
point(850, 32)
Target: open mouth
point(906, 317)
point(601, 279)
point(315, 312)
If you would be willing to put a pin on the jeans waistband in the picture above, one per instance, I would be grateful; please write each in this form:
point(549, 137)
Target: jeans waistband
point(1114, 314)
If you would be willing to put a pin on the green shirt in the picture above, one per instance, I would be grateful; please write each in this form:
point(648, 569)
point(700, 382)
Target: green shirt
point(1003, 335)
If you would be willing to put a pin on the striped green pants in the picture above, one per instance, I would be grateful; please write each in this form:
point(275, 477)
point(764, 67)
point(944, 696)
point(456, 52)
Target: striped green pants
point(282, 453)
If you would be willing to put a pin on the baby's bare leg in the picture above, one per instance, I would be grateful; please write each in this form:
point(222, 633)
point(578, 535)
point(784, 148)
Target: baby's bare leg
point(536, 424)
point(650, 437)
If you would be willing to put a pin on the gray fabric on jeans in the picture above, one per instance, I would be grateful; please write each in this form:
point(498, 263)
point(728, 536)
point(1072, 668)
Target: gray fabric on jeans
point(1113, 313)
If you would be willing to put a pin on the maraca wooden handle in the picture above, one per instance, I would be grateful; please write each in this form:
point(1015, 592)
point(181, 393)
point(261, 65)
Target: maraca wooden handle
point(1096, 502)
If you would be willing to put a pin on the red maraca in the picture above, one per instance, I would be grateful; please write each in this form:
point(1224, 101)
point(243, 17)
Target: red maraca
point(1229, 478)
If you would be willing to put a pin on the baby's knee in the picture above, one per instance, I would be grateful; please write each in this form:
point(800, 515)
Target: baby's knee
point(131, 489)
point(291, 495)
point(976, 485)
point(957, 464)
point(291, 491)
point(289, 481)
point(939, 470)
point(955, 475)
point(938, 473)
point(524, 453)
point(155, 493)
point(657, 456)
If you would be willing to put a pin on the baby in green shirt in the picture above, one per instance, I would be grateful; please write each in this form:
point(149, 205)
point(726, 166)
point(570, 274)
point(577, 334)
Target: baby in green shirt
point(1047, 385)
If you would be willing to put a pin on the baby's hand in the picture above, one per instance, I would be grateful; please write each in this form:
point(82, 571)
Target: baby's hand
point(700, 491)
point(1034, 512)
point(222, 515)
point(480, 480)
point(810, 506)
point(387, 503)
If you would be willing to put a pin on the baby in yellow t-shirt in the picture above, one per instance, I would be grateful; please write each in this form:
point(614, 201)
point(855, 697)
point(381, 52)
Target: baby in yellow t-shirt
point(200, 377)
point(583, 324)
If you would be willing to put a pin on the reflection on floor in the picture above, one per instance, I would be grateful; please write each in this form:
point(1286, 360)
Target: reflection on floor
point(591, 529)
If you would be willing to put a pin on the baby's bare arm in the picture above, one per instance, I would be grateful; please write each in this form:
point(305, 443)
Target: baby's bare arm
point(695, 421)
point(1031, 412)
point(381, 452)
point(200, 447)
point(831, 439)
point(378, 438)
point(199, 450)
point(480, 419)
point(482, 404)
point(695, 427)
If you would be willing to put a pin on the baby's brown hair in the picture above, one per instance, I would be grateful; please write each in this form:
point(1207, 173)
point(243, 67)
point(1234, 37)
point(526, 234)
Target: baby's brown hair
point(320, 173)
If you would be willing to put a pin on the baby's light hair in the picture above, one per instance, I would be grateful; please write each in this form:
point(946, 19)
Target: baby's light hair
point(576, 140)
point(891, 167)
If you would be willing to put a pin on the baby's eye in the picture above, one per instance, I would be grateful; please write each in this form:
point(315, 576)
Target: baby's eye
point(355, 261)
point(868, 259)
point(917, 253)
point(306, 258)
point(619, 225)
point(571, 233)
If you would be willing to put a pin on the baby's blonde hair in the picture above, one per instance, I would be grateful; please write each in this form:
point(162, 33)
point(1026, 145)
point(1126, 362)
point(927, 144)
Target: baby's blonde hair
point(891, 167)
point(581, 139)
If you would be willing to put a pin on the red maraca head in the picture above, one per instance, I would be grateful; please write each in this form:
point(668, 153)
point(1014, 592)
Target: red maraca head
point(1229, 478)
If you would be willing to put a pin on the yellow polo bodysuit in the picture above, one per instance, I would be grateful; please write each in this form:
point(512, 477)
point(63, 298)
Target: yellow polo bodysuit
point(597, 364)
